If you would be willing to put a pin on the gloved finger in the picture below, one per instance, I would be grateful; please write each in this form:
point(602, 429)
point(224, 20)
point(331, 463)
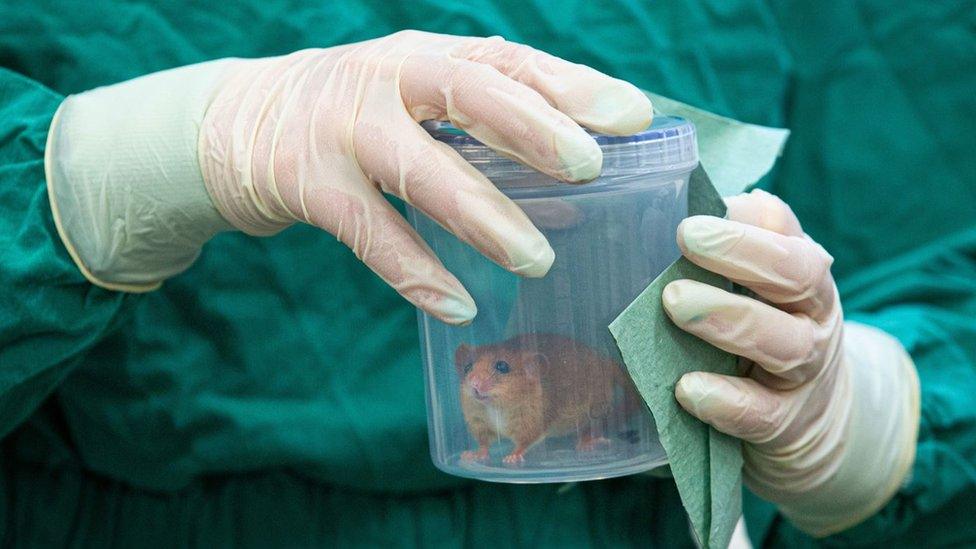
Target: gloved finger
point(405, 161)
point(785, 345)
point(588, 96)
point(764, 210)
point(737, 406)
point(505, 115)
point(383, 240)
point(791, 271)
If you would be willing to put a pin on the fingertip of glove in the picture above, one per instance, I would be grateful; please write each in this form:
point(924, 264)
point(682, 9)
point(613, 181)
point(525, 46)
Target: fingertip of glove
point(620, 109)
point(670, 297)
point(681, 303)
point(690, 391)
point(535, 261)
point(457, 310)
point(580, 157)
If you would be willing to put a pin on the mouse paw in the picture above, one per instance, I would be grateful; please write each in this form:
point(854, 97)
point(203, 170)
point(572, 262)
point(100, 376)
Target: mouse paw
point(589, 444)
point(515, 458)
point(480, 454)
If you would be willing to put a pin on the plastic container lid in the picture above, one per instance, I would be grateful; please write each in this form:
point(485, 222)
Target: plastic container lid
point(668, 145)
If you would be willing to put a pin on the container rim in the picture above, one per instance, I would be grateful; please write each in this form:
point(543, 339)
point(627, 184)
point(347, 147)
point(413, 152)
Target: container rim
point(662, 127)
point(668, 145)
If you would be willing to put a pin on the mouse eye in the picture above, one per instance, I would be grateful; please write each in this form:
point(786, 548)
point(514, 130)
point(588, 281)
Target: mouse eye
point(502, 367)
point(468, 366)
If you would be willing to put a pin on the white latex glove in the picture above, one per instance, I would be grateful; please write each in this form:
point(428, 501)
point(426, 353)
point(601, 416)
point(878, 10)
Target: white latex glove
point(142, 173)
point(829, 410)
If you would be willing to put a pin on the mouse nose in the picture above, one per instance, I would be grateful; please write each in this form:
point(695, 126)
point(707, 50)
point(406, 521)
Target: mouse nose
point(478, 388)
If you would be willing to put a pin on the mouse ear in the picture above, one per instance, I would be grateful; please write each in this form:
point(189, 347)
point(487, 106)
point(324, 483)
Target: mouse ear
point(463, 355)
point(536, 361)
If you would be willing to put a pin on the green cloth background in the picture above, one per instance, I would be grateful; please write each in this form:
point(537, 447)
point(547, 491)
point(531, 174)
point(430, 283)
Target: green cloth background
point(272, 394)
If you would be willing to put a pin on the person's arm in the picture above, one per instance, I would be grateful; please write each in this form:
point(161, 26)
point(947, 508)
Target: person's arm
point(927, 300)
point(828, 408)
point(107, 193)
point(49, 314)
point(142, 173)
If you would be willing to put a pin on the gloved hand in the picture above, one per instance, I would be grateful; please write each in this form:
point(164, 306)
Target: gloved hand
point(828, 410)
point(142, 173)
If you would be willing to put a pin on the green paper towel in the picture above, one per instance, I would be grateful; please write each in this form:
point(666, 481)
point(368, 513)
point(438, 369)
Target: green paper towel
point(703, 199)
point(706, 464)
point(735, 154)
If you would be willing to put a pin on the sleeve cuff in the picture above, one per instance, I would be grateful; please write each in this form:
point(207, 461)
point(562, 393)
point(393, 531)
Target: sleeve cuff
point(123, 178)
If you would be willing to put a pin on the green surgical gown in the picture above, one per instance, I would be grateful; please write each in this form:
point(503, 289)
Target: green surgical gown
point(272, 394)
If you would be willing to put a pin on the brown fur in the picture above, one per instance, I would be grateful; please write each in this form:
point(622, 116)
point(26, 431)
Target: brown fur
point(555, 386)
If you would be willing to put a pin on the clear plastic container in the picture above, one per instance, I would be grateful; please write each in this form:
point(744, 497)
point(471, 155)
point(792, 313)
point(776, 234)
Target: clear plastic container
point(534, 390)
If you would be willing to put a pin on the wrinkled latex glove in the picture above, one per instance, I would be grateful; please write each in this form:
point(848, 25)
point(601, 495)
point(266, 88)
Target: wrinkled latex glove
point(318, 136)
point(828, 410)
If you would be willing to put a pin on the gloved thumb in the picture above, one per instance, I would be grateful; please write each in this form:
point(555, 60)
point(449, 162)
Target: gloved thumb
point(738, 406)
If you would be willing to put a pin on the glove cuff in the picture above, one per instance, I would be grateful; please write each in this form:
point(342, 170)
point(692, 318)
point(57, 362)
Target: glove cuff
point(123, 178)
point(879, 441)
